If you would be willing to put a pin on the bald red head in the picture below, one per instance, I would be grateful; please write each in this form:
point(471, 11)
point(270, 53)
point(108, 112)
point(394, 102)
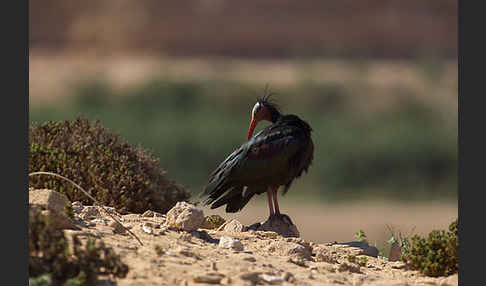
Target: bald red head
point(259, 112)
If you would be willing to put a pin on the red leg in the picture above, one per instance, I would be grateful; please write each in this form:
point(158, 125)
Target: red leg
point(270, 204)
point(275, 201)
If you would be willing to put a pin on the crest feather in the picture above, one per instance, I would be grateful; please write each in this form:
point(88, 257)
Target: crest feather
point(266, 100)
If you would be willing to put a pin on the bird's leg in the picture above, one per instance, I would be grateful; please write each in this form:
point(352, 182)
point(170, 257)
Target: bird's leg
point(270, 204)
point(275, 201)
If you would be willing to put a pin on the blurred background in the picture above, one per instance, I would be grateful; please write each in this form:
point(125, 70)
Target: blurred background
point(377, 80)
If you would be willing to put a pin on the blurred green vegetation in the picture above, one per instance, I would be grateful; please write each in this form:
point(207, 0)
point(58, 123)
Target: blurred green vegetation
point(405, 151)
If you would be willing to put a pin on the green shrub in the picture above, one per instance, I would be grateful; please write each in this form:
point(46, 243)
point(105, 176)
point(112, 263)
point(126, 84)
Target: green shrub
point(436, 255)
point(50, 257)
point(111, 170)
point(401, 149)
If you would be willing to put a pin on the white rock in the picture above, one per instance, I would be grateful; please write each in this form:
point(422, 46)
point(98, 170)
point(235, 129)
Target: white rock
point(77, 207)
point(234, 226)
point(272, 279)
point(450, 281)
point(293, 249)
point(147, 229)
point(230, 243)
point(48, 199)
point(184, 216)
point(90, 212)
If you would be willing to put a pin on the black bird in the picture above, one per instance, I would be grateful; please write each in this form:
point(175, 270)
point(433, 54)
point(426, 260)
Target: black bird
point(274, 157)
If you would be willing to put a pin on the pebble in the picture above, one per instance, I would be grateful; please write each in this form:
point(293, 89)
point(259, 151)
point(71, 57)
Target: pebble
point(147, 229)
point(249, 258)
point(230, 243)
point(90, 212)
point(250, 276)
point(289, 277)
point(272, 279)
point(100, 220)
point(48, 199)
point(77, 207)
point(117, 227)
point(210, 278)
point(150, 213)
point(234, 226)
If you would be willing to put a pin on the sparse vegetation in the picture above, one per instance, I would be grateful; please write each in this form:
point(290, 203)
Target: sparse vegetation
point(111, 170)
point(362, 261)
point(53, 262)
point(360, 236)
point(402, 149)
point(351, 258)
point(213, 221)
point(436, 255)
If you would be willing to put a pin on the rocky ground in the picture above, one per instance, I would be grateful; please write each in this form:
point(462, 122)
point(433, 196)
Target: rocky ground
point(184, 247)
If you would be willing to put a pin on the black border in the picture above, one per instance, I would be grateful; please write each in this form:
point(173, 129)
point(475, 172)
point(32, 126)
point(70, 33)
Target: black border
point(15, 122)
point(471, 78)
point(460, 167)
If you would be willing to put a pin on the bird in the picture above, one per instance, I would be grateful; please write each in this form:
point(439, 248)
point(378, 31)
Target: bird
point(274, 157)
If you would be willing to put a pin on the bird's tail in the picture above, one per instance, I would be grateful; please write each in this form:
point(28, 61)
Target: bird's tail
point(220, 180)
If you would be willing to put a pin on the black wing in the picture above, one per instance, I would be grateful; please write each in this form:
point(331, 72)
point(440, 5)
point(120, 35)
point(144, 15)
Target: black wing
point(264, 160)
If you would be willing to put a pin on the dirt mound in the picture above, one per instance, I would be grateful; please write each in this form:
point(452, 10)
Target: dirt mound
point(227, 256)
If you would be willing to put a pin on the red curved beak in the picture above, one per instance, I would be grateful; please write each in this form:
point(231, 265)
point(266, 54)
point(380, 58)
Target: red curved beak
point(253, 123)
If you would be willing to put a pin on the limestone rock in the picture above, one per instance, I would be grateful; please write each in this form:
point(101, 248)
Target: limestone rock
point(48, 199)
point(271, 279)
point(363, 248)
point(77, 207)
point(452, 280)
point(234, 226)
point(147, 229)
point(150, 213)
point(397, 264)
point(90, 212)
point(184, 216)
point(346, 266)
point(282, 225)
point(59, 220)
point(292, 249)
point(230, 243)
point(249, 258)
point(117, 227)
point(287, 276)
point(253, 277)
point(326, 255)
point(210, 278)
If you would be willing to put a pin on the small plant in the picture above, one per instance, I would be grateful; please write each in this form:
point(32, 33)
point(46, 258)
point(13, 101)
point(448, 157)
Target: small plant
point(362, 261)
point(400, 239)
point(213, 222)
point(436, 255)
point(111, 170)
point(351, 258)
point(42, 280)
point(360, 236)
point(52, 261)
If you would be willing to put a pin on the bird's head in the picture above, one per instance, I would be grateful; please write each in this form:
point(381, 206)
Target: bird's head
point(263, 110)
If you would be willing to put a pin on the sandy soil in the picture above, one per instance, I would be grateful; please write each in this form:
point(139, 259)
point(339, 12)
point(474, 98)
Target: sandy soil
point(175, 257)
point(320, 222)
